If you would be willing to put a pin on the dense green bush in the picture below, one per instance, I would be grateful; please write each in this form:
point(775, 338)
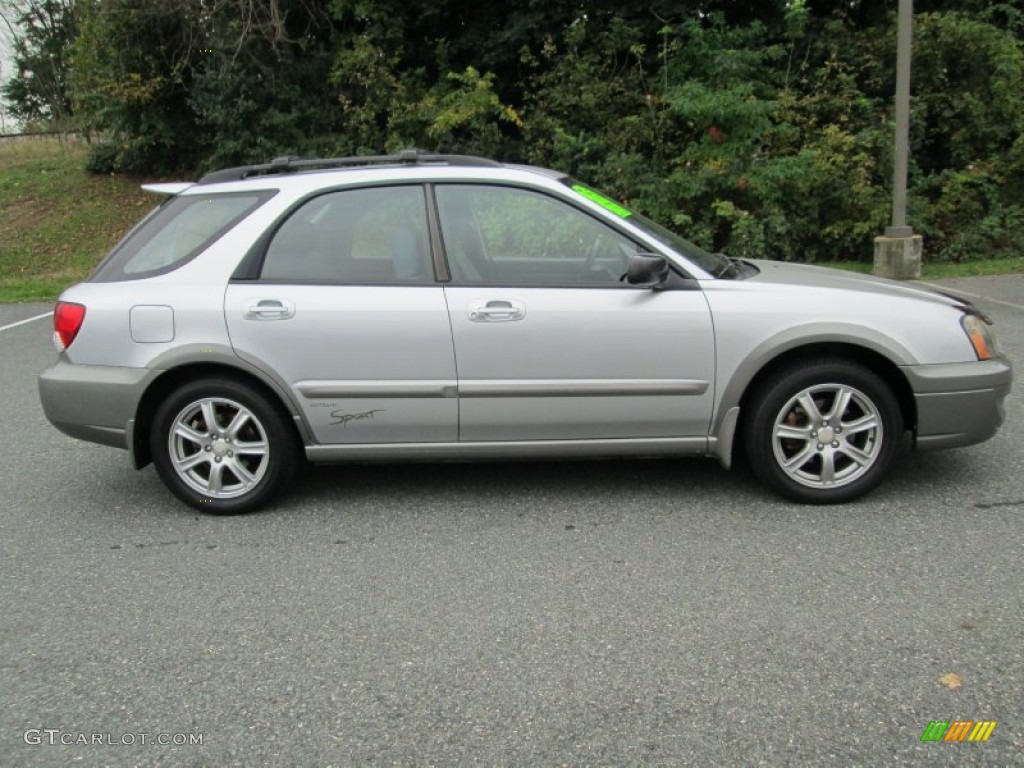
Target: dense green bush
point(762, 128)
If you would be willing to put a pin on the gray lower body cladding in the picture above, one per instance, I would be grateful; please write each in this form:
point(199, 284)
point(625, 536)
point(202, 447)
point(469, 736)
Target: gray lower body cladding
point(959, 404)
point(93, 402)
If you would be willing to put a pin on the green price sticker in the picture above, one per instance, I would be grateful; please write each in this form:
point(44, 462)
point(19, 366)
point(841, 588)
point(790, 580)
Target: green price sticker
point(604, 202)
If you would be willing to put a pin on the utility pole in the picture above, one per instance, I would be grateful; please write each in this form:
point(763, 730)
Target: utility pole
point(898, 251)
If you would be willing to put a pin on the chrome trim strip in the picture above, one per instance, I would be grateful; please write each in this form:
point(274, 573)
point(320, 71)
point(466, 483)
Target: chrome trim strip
point(502, 388)
point(529, 449)
point(581, 387)
point(371, 389)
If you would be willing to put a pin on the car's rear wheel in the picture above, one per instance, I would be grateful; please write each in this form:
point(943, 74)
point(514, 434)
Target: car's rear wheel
point(222, 446)
point(822, 432)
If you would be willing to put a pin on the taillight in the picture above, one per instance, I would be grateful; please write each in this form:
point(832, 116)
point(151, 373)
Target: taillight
point(67, 320)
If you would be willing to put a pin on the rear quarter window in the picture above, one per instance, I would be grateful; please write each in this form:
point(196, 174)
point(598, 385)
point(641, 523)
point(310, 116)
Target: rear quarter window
point(175, 233)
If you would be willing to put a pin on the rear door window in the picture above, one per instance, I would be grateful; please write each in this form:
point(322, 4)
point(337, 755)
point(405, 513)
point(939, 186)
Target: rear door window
point(375, 236)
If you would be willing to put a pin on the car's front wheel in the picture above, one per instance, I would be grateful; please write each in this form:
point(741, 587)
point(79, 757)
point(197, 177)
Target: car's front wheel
point(221, 446)
point(823, 431)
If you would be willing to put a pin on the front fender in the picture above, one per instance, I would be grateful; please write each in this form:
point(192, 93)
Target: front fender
point(816, 338)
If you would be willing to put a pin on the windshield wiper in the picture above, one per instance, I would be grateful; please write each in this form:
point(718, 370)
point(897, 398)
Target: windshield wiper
point(730, 267)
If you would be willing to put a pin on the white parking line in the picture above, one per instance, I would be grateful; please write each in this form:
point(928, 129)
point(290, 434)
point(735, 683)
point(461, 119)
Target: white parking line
point(965, 293)
point(23, 322)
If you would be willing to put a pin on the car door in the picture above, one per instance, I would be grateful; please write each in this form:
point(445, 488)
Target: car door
point(346, 313)
point(550, 343)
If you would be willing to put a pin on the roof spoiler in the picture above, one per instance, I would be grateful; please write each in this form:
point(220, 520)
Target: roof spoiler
point(172, 188)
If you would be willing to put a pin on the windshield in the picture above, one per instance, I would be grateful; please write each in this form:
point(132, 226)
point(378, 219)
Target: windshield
point(713, 263)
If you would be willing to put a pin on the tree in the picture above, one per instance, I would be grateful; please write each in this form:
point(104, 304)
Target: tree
point(175, 84)
point(759, 127)
point(42, 32)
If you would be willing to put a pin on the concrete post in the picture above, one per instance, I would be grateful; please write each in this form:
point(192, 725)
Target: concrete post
point(899, 258)
point(898, 253)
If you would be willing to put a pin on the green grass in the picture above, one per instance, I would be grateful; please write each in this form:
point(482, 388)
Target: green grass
point(940, 269)
point(973, 268)
point(57, 221)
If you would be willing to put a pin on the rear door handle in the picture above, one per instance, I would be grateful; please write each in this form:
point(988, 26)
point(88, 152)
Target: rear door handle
point(270, 309)
point(496, 310)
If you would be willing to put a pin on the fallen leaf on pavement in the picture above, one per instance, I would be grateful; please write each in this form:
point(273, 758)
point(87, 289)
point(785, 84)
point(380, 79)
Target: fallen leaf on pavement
point(951, 680)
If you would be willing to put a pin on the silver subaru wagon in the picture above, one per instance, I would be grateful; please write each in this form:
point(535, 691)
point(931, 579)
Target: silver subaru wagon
point(443, 307)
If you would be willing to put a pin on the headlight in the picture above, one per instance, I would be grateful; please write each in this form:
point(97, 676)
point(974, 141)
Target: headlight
point(979, 331)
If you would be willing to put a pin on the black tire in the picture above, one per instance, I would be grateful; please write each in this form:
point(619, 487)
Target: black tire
point(799, 402)
point(252, 463)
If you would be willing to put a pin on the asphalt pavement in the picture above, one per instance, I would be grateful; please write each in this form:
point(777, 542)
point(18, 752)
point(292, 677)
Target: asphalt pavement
point(598, 613)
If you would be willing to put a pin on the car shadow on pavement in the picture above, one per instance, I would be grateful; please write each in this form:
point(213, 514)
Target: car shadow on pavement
point(607, 480)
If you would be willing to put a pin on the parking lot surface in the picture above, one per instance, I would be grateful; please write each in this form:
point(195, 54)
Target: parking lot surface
point(579, 613)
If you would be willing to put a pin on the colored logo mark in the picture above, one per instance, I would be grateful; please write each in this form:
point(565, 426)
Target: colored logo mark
point(603, 201)
point(958, 730)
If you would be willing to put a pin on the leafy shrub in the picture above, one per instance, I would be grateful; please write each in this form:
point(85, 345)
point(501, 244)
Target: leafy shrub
point(761, 129)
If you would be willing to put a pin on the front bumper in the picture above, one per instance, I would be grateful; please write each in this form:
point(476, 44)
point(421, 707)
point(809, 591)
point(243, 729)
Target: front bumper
point(93, 402)
point(961, 403)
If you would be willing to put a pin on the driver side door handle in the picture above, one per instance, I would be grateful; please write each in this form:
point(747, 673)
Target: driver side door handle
point(496, 311)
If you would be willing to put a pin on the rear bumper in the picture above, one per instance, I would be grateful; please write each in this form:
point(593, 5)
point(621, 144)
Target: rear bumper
point(93, 402)
point(961, 403)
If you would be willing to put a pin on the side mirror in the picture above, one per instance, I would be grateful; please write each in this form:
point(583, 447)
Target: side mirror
point(646, 270)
